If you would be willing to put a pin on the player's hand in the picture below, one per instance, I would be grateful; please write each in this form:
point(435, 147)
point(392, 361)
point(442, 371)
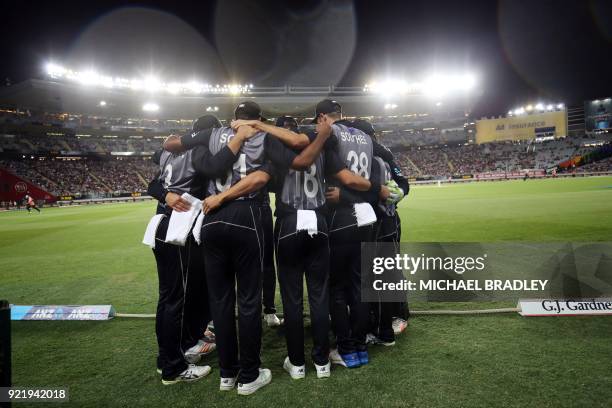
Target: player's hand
point(384, 193)
point(177, 203)
point(242, 122)
point(333, 195)
point(173, 144)
point(211, 203)
point(246, 132)
point(323, 127)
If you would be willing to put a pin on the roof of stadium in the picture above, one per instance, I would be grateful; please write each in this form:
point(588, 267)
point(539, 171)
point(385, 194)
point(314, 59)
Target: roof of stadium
point(51, 95)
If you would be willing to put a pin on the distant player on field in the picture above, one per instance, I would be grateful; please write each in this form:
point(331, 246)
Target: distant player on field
point(30, 203)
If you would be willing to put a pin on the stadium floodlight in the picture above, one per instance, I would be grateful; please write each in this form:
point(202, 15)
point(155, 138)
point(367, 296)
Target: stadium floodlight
point(54, 70)
point(150, 84)
point(560, 106)
point(510, 113)
point(174, 88)
point(234, 89)
point(440, 85)
point(195, 87)
point(519, 111)
point(539, 107)
point(436, 86)
point(89, 77)
point(550, 107)
point(390, 87)
point(102, 103)
point(212, 109)
point(150, 107)
point(438, 103)
point(529, 108)
point(390, 106)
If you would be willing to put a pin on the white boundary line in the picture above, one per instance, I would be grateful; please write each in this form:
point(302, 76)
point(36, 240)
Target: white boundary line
point(412, 312)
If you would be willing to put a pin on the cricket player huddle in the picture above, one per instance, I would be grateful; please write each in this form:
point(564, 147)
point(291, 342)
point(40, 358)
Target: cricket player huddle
point(215, 243)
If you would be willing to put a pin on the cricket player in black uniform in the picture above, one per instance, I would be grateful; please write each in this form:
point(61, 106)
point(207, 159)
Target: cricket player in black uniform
point(182, 309)
point(269, 278)
point(390, 318)
point(355, 148)
point(304, 249)
point(177, 176)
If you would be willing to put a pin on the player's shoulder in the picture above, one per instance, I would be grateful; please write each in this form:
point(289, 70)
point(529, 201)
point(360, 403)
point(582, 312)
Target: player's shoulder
point(381, 150)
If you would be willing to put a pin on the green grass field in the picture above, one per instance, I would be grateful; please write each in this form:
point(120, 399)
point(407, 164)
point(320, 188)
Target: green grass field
point(93, 255)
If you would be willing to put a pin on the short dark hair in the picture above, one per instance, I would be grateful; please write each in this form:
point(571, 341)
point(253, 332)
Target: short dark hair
point(206, 122)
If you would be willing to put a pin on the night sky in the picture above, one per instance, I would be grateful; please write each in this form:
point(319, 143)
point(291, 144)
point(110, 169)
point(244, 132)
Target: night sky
point(520, 51)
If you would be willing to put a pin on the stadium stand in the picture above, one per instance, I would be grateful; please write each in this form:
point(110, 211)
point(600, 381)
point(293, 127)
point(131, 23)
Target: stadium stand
point(84, 177)
point(445, 161)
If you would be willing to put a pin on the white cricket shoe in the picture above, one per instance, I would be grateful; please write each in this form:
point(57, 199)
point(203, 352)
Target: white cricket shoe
point(191, 374)
point(201, 348)
point(399, 325)
point(323, 371)
point(227, 384)
point(296, 372)
point(272, 320)
point(265, 376)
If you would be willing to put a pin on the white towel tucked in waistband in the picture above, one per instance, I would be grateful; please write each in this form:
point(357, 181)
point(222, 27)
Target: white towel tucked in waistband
point(149, 236)
point(181, 222)
point(307, 221)
point(365, 214)
point(197, 228)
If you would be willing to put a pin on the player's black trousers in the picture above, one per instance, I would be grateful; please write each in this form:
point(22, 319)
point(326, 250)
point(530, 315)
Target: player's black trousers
point(383, 312)
point(400, 309)
point(269, 273)
point(345, 240)
point(182, 308)
point(298, 255)
point(233, 258)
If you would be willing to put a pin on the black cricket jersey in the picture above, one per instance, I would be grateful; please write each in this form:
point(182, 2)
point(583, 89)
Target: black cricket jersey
point(305, 189)
point(178, 174)
point(354, 147)
point(213, 159)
